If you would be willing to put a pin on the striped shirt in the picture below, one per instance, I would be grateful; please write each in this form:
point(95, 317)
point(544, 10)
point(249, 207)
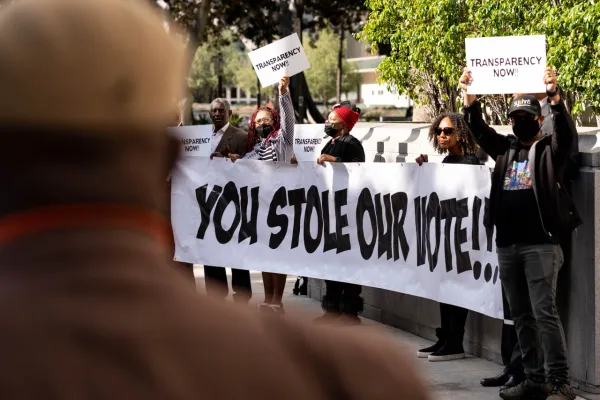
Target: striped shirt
point(280, 148)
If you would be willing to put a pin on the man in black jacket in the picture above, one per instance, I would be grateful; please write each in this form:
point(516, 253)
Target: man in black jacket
point(531, 211)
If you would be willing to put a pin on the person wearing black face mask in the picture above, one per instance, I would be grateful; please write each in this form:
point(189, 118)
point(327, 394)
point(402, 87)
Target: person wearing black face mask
point(532, 212)
point(342, 302)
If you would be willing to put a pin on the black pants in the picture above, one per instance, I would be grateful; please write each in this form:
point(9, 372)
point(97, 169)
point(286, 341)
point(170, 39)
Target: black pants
point(509, 347)
point(453, 319)
point(216, 283)
point(342, 297)
point(511, 352)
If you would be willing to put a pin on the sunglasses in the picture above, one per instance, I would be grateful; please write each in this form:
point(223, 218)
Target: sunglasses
point(447, 131)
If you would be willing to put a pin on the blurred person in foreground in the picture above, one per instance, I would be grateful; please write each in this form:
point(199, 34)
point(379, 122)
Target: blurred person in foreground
point(532, 213)
point(91, 305)
point(450, 136)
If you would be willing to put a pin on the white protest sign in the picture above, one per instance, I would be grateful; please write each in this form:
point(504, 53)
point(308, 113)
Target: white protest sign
point(280, 58)
point(506, 65)
point(309, 139)
point(412, 229)
point(195, 140)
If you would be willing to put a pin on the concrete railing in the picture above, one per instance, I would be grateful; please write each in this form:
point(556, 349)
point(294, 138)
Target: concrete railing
point(579, 280)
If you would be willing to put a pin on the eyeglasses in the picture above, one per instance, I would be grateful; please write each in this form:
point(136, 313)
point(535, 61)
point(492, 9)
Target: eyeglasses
point(446, 131)
point(263, 121)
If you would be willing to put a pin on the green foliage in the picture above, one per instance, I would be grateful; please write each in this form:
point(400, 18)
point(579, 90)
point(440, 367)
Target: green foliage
point(426, 38)
point(372, 116)
point(322, 76)
point(235, 120)
point(203, 120)
point(204, 72)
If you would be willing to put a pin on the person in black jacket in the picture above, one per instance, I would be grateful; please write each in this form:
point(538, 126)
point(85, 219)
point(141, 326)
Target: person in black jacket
point(450, 135)
point(342, 301)
point(532, 212)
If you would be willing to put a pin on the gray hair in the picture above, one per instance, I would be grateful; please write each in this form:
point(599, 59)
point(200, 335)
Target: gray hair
point(221, 101)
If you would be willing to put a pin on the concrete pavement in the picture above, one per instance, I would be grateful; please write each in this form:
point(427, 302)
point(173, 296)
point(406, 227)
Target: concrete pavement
point(455, 380)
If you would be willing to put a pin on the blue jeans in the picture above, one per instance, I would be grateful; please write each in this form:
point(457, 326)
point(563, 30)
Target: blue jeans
point(529, 274)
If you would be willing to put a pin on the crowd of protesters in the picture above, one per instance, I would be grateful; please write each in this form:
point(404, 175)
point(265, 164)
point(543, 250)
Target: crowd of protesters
point(530, 209)
point(92, 305)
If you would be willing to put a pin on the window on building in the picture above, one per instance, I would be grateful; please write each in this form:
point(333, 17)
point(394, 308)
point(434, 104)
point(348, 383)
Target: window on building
point(381, 93)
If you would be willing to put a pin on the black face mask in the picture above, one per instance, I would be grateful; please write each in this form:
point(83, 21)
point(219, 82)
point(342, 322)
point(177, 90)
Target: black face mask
point(264, 130)
point(526, 129)
point(330, 129)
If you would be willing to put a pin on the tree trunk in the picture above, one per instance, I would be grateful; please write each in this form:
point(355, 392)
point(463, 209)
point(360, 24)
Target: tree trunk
point(195, 40)
point(340, 64)
point(202, 21)
point(258, 100)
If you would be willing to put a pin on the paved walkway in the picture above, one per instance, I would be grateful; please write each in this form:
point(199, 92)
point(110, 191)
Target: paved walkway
point(455, 380)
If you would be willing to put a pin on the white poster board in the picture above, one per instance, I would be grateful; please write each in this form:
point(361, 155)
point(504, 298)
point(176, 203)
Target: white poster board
point(195, 140)
point(283, 57)
point(309, 140)
point(506, 65)
point(401, 227)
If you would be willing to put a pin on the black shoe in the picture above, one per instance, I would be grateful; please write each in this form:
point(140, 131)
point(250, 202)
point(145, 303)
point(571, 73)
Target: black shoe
point(526, 390)
point(450, 351)
point(496, 381)
point(424, 353)
point(561, 392)
point(512, 382)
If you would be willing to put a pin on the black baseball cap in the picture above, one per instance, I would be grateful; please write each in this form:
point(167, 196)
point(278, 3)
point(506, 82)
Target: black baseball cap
point(525, 103)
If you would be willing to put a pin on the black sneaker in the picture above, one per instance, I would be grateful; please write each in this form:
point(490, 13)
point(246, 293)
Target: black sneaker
point(424, 353)
point(449, 351)
point(526, 390)
point(561, 392)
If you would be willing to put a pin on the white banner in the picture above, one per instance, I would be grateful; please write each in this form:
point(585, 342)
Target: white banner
point(195, 140)
point(401, 227)
point(283, 57)
point(506, 65)
point(309, 140)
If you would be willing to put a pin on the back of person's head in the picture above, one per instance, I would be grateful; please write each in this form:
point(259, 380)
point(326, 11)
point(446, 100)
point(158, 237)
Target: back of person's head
point(87, 90)
point(87, 64)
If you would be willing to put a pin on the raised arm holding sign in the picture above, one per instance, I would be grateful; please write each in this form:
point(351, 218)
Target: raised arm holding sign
point(506, 65)
point(285, 57)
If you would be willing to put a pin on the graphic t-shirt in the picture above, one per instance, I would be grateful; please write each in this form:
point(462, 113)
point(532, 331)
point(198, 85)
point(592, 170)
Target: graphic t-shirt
point(518, 219)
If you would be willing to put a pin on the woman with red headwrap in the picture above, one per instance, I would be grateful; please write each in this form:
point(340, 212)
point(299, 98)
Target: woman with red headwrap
point(342, 301)
point(271, 138)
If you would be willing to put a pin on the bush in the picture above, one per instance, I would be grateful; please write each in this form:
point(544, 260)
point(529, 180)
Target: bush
point(372, 116)
point(235, 120)
point(203, 120)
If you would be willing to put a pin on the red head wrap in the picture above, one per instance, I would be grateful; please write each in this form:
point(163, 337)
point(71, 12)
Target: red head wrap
point(348, 117)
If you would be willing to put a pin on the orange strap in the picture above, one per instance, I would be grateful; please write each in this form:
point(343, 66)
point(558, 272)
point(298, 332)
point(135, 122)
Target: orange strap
point(84, 215)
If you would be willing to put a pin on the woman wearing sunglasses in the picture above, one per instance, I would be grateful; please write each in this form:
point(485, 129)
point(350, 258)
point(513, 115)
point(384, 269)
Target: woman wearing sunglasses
point(450, 135)
point(271, 138)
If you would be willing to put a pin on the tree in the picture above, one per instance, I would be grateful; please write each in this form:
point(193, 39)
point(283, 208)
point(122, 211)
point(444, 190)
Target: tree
point(352, 80)
point(426, 43)
point(573, 31)
point(339, 16)
point(203, 79)
point(324, 65)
